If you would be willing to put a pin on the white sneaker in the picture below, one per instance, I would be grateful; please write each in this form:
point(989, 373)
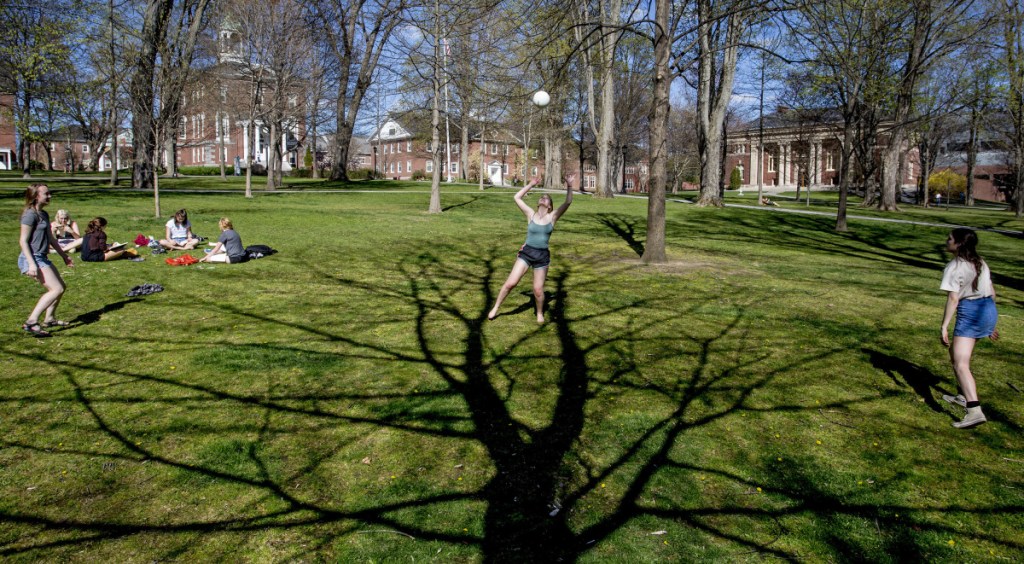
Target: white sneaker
point(972, 419)
point(958, 399)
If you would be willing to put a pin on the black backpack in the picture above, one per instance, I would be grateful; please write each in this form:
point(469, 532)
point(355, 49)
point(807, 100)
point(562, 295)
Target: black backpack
point(258, 251)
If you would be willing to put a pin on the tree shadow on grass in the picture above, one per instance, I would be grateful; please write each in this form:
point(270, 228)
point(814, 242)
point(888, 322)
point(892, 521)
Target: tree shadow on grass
point(625, 227)
point(538, 499)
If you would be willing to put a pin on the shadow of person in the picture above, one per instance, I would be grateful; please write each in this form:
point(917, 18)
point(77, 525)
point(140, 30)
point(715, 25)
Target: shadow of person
point(920, 379)
point(95, 315)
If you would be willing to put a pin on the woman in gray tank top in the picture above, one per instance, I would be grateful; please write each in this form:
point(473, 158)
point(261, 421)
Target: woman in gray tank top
point(35, 241)
point(534, 253)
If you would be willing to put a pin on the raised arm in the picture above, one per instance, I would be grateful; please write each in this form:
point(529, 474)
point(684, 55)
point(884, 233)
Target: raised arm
point(568, 198)
point(527, 210)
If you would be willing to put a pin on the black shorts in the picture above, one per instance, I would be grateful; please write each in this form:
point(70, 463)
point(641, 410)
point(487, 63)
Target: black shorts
point(534, 257)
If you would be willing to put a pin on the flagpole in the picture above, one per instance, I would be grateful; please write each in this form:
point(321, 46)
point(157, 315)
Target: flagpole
point(447, 131)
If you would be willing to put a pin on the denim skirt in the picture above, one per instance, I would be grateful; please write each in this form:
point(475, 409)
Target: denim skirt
point(975, 318)
point(41, 262)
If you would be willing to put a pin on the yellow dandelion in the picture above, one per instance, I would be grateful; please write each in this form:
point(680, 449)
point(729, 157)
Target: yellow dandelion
point(860, 483)
point(392, 477)
point(779, 459)
point(603, 485)
point(874, 444)
point(460, 478)
point(777, 435)
point(818, 442)
point(173, 367)
point(951, 542)
point(758, 490)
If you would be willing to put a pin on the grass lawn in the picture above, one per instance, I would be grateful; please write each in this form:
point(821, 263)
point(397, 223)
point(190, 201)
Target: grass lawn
point(773, 391)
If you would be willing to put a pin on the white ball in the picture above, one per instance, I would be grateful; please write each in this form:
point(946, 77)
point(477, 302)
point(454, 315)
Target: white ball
point(541, 98)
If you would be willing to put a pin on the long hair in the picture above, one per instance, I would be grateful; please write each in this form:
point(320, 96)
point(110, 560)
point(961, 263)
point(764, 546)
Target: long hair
point(967, 250)
point(225, 224)
point(181, 217)
point(96, 224)
point(31, 193)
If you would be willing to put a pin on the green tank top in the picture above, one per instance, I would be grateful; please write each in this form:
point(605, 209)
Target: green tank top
point(537, 235)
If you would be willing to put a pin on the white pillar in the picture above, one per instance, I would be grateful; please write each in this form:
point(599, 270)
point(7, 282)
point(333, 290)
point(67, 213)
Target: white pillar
point(245, 143)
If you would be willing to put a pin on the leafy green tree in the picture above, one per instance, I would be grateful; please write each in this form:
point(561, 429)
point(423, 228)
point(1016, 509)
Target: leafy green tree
point(33, 54)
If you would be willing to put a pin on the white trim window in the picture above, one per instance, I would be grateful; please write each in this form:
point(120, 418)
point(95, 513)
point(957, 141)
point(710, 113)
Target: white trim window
point(408, 166)
point(399, 167)
point(829, 161)
point(408, 146)
point(85, 149)
point(504, 168)
point(494, 148)
point(184, 128)
point(771, 162)
point(454, 167)
point(430, 166)
point(504, 150)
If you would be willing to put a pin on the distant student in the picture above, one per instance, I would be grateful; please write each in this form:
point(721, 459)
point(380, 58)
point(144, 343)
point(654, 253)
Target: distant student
point(94, 244)
point(972, 297)
point(178, 233)
point(229, 245)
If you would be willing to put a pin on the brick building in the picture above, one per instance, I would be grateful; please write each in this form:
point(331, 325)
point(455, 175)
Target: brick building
point(8, 147)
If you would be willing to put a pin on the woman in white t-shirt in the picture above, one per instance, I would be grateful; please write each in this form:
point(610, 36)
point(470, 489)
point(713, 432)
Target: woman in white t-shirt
point(970, 294)
point(178, 234)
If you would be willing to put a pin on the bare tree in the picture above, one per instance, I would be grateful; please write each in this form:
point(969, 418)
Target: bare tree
point(356, 33)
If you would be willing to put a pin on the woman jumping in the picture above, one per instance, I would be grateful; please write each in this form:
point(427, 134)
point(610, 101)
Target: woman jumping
point(36, 238)
point(534, 253)
point(972, 298)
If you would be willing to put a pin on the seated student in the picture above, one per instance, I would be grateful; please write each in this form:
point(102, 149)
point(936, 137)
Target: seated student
point(94, 244)
point(65, 230)
point(178, 233)
point(229, 246)
point(765, 201)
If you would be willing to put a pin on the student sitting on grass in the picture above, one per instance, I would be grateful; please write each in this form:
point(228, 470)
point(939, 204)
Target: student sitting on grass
point(229, 246)
point(178, 233)
point(94, 244)
point(65, 230)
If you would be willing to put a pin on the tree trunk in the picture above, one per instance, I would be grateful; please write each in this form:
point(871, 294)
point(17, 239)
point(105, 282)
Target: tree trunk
point(845, 167)
point(435, 117)
point(154, 28)
point(714, 91)
point(654, 246)
point(972, 157)
point(273, 155)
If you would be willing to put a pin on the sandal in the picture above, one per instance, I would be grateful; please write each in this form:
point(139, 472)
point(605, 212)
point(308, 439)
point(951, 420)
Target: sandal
point(55, 323)
point(35, 329)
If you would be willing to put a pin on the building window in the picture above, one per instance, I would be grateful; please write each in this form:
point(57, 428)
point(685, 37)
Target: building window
point(391, 131)
point(829, 165)
point(455, 148)
point(408, 146)
point(85, 149)
point(399, 147)
point(504, 169)
point(408, 166)
point(392, 167)
point(534, 171)
point(430, 166)
point(771, 162)
point(591, 182)
point(494, 149)
point(505, 150)
point(399, 167)
point(184, 128)
point(454, 167)
point(629, 184)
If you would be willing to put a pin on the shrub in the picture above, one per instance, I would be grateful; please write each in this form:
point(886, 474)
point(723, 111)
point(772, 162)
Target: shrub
point(360, 174)
point(199, 170)
point(301, 173)
point(308, 159)
point(419, 175)
point(948, 183)
point(735, 179)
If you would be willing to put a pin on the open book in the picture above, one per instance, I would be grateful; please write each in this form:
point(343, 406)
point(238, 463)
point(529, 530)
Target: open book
point(116, 247)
